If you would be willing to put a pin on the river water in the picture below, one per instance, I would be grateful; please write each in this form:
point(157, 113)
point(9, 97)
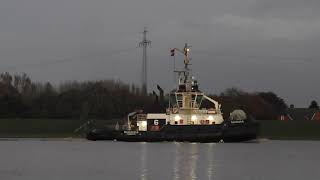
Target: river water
point(37, 159)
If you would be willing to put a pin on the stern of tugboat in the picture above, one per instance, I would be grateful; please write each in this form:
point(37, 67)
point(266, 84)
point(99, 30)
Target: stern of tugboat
point(239, 127)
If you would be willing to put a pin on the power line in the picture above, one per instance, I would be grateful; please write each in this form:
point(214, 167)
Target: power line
point(283, 59)
point(69, 59)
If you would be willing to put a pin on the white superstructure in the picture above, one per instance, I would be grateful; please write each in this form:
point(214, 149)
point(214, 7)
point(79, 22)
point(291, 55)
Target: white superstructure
point(185, 107)
point(186, 103)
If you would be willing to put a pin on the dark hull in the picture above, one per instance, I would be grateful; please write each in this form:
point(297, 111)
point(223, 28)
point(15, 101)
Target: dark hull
point(226, 132)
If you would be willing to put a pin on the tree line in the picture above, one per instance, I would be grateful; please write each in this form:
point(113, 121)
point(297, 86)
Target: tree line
point(259, 105)
point(20, 97)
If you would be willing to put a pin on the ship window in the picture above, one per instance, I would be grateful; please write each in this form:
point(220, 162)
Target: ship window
point(193, 101)
point(193, 97)
point(196, 100)
point(173, 101)
point(199, 100)
point(179, 99)
point(182, 87)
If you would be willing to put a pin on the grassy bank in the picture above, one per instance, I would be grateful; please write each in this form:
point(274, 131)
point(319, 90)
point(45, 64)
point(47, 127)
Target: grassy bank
point(44, 128)
point(290, 130)
point(62, 128)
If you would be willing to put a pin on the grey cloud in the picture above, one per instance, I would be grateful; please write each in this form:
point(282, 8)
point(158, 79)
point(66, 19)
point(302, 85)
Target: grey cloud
point(256, 45)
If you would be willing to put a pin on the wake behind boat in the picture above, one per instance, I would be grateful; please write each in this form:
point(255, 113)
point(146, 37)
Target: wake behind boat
point(190, 116)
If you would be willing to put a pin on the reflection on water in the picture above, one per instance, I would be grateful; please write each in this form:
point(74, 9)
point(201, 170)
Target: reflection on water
point(192, 161)
point(184, 161)
point(79, 160)
point(143, 161)
point(210, 160)
point(176, 161)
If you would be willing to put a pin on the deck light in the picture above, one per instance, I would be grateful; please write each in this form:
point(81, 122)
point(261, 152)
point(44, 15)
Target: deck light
point(177, 118)
point(210, 118)
point(193, 117)
point(144, 123)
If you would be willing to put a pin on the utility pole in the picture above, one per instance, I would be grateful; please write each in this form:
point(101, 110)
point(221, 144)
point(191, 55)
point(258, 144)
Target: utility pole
point(144, 44)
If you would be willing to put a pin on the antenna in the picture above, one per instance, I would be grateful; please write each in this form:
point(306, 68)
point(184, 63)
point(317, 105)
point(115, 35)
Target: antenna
point(186, 62)
point(144, 44)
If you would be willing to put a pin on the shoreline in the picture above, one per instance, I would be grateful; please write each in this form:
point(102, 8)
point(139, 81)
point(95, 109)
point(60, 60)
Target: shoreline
point(41, 139)
point(64, 129)
point(81, 139)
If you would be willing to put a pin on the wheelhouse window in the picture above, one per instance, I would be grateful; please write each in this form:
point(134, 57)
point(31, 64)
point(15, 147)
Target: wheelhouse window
point(173, 100)
point(179, 99)
point(196, 100)
point(199, 100)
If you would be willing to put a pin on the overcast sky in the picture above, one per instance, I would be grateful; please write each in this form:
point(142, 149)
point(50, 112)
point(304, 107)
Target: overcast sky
point(255, 45)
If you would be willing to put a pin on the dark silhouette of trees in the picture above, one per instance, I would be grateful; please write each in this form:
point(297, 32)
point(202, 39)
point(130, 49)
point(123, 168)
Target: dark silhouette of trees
point(107, 99)
point(277, 103)
point(261, 105)
point(314, 105)
point(20, 97)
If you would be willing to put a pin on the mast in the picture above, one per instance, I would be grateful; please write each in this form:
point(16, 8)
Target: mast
point(144, 44)
point(186, 61)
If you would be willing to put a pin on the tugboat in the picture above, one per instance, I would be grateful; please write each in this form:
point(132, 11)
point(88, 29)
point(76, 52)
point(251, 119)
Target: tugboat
point(186, 118)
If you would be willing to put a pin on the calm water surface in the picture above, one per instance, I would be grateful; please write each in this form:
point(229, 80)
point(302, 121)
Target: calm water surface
point(77, 160)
